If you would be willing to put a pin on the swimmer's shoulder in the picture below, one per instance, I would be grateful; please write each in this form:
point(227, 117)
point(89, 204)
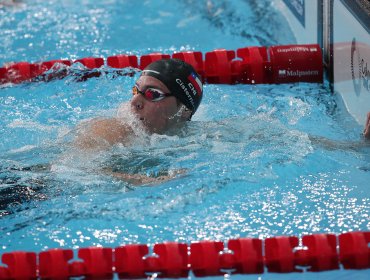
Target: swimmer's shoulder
point(101, 133)
point(113, 129)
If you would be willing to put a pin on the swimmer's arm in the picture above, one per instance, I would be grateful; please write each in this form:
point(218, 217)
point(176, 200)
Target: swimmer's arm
point(101, 134)
point(141, 179)
point(329, 144)
point(9, 3)
point(344, 145)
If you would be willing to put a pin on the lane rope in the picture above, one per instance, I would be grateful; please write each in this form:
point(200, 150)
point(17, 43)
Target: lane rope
point(282, 254)
point(249, 65)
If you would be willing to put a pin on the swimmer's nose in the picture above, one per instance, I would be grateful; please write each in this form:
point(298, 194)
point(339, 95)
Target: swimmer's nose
point(137, 102)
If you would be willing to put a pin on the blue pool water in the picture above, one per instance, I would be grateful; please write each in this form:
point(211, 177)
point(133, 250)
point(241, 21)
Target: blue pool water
point(259, 161)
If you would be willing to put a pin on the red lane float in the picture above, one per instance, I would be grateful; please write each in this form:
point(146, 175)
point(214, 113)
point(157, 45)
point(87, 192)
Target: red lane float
point(254, 66)
point(145, 60)
point(24, 71)
point(122, 61)
point(218, 67)
point(171, 260)
point(321, 252)
point(204, 258)
point(250, 65)
point(195, 59)
point(91, 62)
point(21, 265)
point(18, 72)
point(248, 257)
point(3, 74)
point(301, 63)
point(279, 256)
point(243, 256)
point(129, 261)
point(55, 263)
point(284, 254)
point(354, 250)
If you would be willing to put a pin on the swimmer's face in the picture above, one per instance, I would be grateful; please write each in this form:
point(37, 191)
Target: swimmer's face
point(157, 116)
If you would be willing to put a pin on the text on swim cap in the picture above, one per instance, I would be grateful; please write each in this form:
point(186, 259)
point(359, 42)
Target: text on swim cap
point(183, 87)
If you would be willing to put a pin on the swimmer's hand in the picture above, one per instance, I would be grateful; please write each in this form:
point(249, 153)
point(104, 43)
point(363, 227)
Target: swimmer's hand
point(141, 179)
point(367, 127)
point(100, 134)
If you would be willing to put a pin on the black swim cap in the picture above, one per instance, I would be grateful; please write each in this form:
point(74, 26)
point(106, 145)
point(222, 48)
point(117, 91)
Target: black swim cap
point(181, 79)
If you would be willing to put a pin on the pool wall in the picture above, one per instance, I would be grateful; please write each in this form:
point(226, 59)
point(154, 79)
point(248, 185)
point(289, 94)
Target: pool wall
point(342, 30)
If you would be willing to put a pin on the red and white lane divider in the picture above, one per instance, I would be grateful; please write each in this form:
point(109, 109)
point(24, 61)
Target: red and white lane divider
point(284, 254)
point(249, 65)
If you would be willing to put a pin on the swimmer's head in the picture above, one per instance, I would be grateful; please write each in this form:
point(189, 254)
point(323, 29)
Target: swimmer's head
point(180, 78)
point(166, 95)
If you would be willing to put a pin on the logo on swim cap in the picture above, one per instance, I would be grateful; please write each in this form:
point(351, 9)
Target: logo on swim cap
point(195, 83)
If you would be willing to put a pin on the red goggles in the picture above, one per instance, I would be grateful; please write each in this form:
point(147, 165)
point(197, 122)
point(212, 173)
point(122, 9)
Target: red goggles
point(151, 94)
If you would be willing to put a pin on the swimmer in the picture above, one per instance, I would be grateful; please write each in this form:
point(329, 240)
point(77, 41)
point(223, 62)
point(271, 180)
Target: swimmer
point(165, 97)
